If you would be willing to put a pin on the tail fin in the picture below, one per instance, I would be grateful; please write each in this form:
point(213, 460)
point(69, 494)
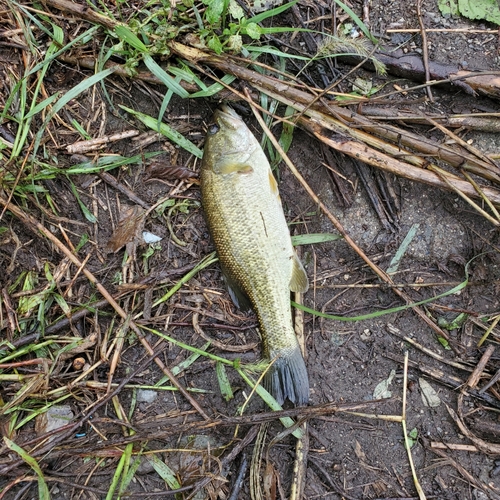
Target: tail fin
point(287, 378)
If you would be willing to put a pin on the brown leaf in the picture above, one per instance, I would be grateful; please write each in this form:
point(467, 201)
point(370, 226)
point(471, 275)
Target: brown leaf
point(269, 482)
point(129, 229)
point(359, 452)
point(83, 345)
point(165, 171)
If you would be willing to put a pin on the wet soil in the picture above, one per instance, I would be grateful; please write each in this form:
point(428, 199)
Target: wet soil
point(352, 456)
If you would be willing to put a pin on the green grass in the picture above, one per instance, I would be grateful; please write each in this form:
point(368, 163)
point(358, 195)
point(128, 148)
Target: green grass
point(42, 117)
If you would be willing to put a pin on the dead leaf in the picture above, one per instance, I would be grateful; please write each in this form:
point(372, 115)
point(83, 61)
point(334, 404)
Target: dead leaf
point(269, 482)
point(430, 397)
point(129, 229)
point(359, 452)
point(382, 389)
point(168, 172)
point(79, 346)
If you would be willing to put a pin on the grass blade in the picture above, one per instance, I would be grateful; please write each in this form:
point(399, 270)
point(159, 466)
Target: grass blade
point(124, 34)
point(43, 490)
point(88, 214)
point(311, 239)
point(270, 13)
point(71, 94)
point(394, 264)
point(224, 384)
point(266, 49)
point(361, 25)
point(167, 131)
point(376, 314)
point(162, 75)
point(164, 471)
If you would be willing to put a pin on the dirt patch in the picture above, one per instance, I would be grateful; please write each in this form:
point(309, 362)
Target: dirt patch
point(357, 455)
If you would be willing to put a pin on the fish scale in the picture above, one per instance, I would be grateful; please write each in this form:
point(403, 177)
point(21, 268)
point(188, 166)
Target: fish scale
point(246, 220)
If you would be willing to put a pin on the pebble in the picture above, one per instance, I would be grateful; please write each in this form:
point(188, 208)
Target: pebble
point(146, 395)
point(54, 418)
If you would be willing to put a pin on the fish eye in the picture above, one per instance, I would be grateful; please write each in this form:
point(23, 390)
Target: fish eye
point(213, 128)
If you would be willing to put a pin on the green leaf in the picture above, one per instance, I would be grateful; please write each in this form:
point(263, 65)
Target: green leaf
point(42, 105)
point(214, 88)
point(376, 314)
point(167, 131)
point(160, 73)
point(83, 240)
point(266, 49)
point(270, 13)
point(394, 264)
point(283, 29)
point(488, 10)
point(123, 33)
point(253, 30)
point(235, 10)
point(62, 304)
point(215, 44)
point(453, 324)
point(164, 471)
point(71, 94)
point(412, 437)
point(29, 302)
point(448, 7)
point(286, 136)
point(88, 214)
point(102, 164)
point(444, 343)
point(224, 384)
point(235, 43)
point(214, 10)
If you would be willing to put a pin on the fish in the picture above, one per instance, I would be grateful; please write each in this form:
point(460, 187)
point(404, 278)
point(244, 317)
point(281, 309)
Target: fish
point(245, 218)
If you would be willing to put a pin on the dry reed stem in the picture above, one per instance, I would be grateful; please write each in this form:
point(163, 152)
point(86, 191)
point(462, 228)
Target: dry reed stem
point(378, 271)
point(35, 226)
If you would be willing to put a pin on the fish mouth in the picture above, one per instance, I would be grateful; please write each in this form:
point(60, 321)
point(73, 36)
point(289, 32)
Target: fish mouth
point(227, 116)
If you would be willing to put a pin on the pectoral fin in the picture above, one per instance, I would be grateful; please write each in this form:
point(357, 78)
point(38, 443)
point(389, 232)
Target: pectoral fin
point(231, 167)
point(299, 281)
point(238, 296)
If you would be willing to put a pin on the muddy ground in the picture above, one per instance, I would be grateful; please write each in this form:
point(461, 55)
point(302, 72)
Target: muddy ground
point(350, 456)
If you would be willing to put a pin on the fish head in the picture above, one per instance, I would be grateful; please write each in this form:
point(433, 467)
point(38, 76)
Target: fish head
point(229, 142)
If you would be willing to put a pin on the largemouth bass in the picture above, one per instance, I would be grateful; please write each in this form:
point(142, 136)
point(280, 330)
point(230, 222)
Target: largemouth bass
point(245, 217)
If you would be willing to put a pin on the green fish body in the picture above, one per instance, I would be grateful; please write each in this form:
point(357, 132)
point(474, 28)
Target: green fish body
point(246, 220)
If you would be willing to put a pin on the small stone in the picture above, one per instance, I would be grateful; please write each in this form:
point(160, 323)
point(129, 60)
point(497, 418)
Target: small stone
point(146, 395)
point(479, 495)
point(366, 334)
point(54, 418)
point(78, 364)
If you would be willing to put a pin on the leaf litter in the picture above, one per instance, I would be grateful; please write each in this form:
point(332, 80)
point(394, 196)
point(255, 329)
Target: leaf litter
point(189, 307)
